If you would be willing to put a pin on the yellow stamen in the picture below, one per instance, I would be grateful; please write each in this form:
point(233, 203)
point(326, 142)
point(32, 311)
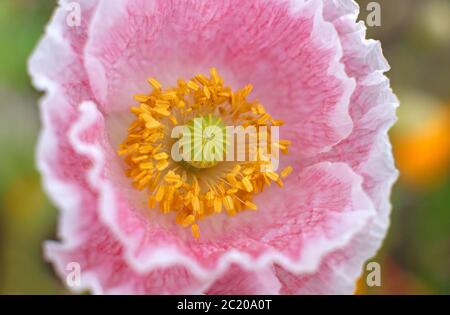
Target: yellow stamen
point(247, 184)
point(251, 205)
point(195, 231)
point(272, 175)
point(286, 171)
point(194, 86)
point(188, 220)
point(161, 156)
point(162, 165)
point(146, 166)
point(154, 83)
point(162, 111)
point(217, 205)
point(141, 98)
point(151, 202)
point(193, 190)
point(228, 202)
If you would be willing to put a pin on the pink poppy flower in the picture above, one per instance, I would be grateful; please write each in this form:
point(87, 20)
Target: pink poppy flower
point(139, 222)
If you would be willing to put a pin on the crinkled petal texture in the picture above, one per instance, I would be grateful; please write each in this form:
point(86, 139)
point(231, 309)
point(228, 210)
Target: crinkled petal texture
point(309, 63)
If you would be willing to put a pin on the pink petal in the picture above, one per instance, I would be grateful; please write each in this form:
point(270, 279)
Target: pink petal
point(57, 62)
point(286, 50)
point(311, 237)
point(86, 240)
point(367, 150)
point(295, 232)
point(240, 281)
point(294, 229)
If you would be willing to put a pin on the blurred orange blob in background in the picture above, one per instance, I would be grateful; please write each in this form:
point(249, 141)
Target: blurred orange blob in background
point(422, 142)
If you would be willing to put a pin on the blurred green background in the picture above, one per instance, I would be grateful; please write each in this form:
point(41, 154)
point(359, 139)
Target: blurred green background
point(416, 255)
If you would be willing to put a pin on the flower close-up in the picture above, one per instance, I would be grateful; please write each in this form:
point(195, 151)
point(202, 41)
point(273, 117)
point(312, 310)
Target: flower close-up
point(297, 207)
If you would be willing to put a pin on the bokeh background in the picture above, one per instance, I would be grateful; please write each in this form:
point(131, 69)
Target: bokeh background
point(415, 258)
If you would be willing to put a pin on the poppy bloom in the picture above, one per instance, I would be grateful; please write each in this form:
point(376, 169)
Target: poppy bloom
point(301, 217)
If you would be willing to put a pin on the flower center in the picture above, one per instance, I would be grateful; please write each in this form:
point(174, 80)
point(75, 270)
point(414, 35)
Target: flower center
point(205, 142)
point(181, 149)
